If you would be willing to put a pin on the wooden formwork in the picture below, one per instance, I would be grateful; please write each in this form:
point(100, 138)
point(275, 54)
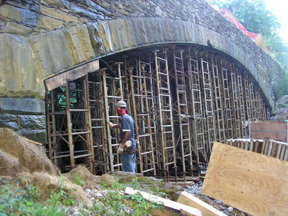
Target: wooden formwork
point(268, 147)
point(182, 101)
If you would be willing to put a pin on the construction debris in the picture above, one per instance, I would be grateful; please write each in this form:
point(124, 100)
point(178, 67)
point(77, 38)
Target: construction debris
point(192, 201)
point(171, 207)
point(251, 182)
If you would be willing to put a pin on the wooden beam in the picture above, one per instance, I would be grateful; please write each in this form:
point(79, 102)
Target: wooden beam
point(251, 182)
point(169, 204)
point(192, 201)
point(70, 75)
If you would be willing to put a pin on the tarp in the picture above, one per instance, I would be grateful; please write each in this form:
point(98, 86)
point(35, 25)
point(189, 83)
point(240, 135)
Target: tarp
point(257, 38)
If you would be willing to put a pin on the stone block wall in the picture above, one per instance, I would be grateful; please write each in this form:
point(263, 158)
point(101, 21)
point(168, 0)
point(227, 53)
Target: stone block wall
point(40, 38)
point(26, 116)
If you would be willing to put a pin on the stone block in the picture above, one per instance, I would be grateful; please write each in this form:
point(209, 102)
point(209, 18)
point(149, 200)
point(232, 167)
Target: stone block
point(17, 14)
point(5, 117)
point(58, 14)
point(19, 72)
point(15, 28)
point(22, 105)
point(48, 23)
point(106, 35)
point(96, 38)
point(11, 125)
point(75, 9)
point(10, 12)
point(58, 3)
point(36, 135)
point(32, 121)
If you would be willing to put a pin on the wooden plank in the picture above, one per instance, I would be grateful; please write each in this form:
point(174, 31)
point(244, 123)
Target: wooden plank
point(251, 182)
point(171, 205)
point(70, 75)
point(269, 129)
point(192, 201)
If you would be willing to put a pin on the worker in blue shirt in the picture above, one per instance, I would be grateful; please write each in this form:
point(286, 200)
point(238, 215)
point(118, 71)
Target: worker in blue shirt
point(127, 145)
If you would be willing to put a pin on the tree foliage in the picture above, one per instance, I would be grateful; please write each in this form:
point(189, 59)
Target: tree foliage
point(257, 19)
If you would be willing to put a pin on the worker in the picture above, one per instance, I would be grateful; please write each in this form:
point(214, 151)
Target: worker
point(127, 145)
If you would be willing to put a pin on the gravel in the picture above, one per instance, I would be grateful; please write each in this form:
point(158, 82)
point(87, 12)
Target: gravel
point(218, 204)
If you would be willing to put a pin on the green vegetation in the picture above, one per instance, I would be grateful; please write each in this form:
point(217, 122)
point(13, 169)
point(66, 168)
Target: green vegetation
point(257, 19)
point(16, 200)
point(78, 180)
point(116, 203)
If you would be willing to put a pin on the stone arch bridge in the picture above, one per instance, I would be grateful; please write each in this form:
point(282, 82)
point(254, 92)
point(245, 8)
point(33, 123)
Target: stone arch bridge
point(189, 76)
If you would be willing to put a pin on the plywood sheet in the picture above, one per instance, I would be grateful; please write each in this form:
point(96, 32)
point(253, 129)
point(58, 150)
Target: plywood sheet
point(254, 183)
point(269, 129)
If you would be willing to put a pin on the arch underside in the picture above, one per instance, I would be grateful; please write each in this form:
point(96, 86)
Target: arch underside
point(182, 97)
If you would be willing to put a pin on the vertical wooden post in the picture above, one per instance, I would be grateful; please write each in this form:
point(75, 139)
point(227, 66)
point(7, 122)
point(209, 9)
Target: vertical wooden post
point(69, 126)
point(89, 125)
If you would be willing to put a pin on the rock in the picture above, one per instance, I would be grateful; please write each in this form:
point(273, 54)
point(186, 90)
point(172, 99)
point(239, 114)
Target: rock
point(25, 105)
point(85, 13)
point(58, 3)
point(58, 14)
point(19, 15)
point(98, 195)
point(219, 202)
point(23, 79)
point(274, 118)
point(32, 121)
point(36, 135)
point(230, 209)
point(48, 23)
point(222, 208)
point(87, 190)
point(7, 117)
point(15, 28)
point(158, 11)
point(12, 125)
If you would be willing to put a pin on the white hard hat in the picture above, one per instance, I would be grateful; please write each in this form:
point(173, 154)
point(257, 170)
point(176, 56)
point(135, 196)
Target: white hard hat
point(121, 103)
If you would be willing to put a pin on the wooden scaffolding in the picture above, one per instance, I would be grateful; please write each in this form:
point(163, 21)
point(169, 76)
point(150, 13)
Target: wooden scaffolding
point(182, 100)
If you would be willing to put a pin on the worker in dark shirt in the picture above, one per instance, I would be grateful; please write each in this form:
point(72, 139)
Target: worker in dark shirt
point(127, 145)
